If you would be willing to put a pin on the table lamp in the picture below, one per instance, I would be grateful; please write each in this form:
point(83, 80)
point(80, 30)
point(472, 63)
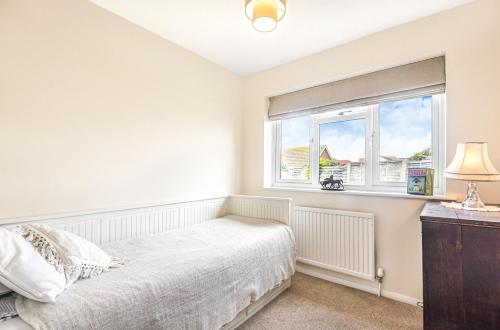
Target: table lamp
point(472, 163)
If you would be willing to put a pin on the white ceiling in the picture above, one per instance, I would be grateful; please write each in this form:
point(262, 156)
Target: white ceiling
point(219, 30)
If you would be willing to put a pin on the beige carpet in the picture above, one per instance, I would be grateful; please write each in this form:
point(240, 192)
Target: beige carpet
point(312, 303)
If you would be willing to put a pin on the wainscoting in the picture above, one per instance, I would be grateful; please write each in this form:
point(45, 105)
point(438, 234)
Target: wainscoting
point(107, 226)
point(268, 208)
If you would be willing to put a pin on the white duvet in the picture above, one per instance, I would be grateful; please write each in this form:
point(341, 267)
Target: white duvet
point(199, 277)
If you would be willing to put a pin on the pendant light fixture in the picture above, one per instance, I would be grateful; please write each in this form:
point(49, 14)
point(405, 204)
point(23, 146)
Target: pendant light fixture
point(265, 14)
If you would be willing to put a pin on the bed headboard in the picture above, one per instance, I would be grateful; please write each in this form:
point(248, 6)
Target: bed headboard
point(269, 208)
point(104, 226)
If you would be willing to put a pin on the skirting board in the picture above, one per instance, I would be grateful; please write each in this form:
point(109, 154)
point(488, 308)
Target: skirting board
point(330, 278)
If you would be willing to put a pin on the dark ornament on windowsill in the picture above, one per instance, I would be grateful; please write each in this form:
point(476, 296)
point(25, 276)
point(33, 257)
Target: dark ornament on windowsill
point(331, 184)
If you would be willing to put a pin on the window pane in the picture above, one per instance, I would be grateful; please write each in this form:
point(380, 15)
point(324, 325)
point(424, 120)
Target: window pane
point(342, 151)
point(405, 137)
point(295, 149)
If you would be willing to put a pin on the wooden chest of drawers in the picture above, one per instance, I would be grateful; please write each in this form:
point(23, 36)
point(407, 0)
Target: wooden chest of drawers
point(461, 268)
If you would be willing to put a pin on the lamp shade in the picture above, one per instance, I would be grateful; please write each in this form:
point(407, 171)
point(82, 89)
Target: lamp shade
point(265, 14)
point(472, 163)
point(250, 5)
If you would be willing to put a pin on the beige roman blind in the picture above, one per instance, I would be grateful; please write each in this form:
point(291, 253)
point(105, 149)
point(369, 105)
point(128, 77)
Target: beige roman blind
point(416, 79)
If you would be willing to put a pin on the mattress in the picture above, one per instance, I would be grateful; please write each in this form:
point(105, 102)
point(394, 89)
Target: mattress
point(199, 277)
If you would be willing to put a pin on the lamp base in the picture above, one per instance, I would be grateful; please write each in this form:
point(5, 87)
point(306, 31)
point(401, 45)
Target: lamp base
point(473, 200)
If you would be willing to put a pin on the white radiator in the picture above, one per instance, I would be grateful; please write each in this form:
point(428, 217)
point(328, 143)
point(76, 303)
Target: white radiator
point(336, 240)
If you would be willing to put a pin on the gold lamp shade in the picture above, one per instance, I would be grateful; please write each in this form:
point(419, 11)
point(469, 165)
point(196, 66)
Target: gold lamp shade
point(265, 14)
point(472, 163)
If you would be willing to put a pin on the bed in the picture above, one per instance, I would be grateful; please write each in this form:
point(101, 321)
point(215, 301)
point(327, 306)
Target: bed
point(211, 275)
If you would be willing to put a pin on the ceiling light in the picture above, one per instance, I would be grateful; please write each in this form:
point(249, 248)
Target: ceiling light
point(265, 14)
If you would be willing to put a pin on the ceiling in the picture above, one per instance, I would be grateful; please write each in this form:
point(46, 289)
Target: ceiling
point(219, 31)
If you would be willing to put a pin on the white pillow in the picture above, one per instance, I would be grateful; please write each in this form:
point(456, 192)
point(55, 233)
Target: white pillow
point(71, 254)
point(23, 270)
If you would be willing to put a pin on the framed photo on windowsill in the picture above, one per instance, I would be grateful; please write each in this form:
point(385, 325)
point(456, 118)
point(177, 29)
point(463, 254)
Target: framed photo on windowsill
point(420, 181)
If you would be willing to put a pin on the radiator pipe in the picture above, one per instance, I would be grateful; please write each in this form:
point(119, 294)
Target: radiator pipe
point(379, 277)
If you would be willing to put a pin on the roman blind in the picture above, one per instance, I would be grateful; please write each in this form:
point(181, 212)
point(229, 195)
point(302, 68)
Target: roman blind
point(415, 79)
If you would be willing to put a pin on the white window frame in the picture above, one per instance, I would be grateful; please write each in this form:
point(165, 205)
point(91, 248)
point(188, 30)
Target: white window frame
point(372, 148)
point(364, 113)
point(437, 146)
point(276, 159)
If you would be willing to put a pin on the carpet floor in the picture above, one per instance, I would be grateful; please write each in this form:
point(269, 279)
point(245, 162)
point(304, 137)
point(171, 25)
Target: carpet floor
point(312, 303)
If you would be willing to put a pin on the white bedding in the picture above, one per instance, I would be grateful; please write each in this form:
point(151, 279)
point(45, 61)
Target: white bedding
point(199, 277)
point(15, 324)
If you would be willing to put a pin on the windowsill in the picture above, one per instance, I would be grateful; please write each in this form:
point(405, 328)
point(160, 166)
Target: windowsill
point(387, 194)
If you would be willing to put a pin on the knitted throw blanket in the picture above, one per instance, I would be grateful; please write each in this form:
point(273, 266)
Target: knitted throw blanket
point(7, 307)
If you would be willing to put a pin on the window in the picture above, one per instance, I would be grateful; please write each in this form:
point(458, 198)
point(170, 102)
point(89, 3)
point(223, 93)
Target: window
point(294, 150)
point(369, 147)
point(342, 148)
point(405, 135)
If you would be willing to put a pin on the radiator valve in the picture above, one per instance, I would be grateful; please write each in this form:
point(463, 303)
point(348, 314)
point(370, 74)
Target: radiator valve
point(380, 274)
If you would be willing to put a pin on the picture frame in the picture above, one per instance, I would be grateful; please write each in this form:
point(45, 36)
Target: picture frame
point(420, 181)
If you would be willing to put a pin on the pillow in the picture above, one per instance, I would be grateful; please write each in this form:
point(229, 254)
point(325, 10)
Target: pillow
point(23, 270)
point(68, 253)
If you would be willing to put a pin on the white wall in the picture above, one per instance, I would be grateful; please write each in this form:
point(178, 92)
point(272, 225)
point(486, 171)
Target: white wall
point(470, 38)
point(96, 112)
